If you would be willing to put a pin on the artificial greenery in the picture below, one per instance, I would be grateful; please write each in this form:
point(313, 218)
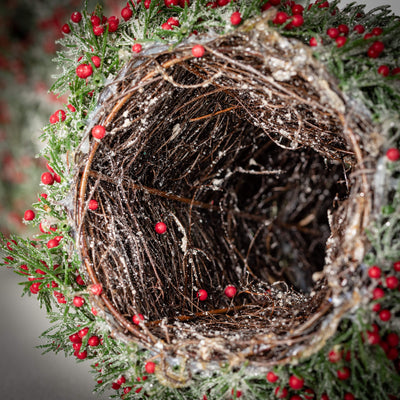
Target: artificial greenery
point(55, 271)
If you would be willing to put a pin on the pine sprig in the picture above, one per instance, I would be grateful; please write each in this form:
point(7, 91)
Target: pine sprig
point(370, 369)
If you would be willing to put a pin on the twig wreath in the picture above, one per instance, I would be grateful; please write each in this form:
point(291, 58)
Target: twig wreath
point(222, 206)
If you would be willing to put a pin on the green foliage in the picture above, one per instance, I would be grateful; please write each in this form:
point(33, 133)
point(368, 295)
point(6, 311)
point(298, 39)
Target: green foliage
point(371, 370)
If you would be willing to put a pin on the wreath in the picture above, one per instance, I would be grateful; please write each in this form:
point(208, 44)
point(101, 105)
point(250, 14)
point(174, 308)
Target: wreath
point(220, 213)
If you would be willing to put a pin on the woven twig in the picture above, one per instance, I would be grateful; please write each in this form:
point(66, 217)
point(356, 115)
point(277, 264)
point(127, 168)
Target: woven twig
point(243, 154)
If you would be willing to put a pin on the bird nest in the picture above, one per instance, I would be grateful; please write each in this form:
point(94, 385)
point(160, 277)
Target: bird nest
point(261, 171)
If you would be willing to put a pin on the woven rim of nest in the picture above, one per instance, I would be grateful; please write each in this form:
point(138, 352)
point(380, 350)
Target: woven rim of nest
point(255, 96)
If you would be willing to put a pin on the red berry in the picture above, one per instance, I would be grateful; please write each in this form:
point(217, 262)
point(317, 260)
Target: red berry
point(280, 18)
point(392, 354)
point(182, 3)
point(150, 367)
point(173, 21)
point(296, 383)
point(83, 332)
point(376, 307)
point(378, 46)
point(137, 319)
point(35, 287)
point(230, 291)
point(76, 17)
point(325, 4)
point(96, 61)
point(76, 346)
point(385, 315)
point(349, 396)
point(202, 295)
point(341, 41)
point(147, 4)
point(75, 338)
point(297, 9)
point(296, 397)
point(271, 377)
point(47, 178)
point(98, 30)
point(137, 48)
point(359, 29)
point(93, 204)
point(113, 23)
point(198, 50)
point(170, 3)
point(83, 71)
point(313, 42)
point(333, 33)
point(392, 282)
point(71, 108)
point(378, 293)
point(396, 265)
point(392, 339)
point(393, 154)
point(52, 243)
point(96, 289)
point(53, 119)
point(9, 245)
point(160, 228)
point(95, 20)
point(82, 355)
point(374, 272)
point(79, 280)
point(222, 3)
point(78, 301)
point(343, 373)
point(166, 26)
point(121, 380)
point(94, 341)
point(324, 396)
point(395, 71)
point(127, 389)
point(57, 178)
point(373, 337)
point(94, 311)
point(281, 393)
point(377, 31)
point(126, 13)
point(66, 29)
point(275, 2)
point(334, 356)
point(98, 131)
point(383, 70)
point(236, 18)
point(297, 20)
point(343, 29)
point(29, 215)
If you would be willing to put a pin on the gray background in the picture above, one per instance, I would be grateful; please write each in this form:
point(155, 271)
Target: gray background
point(24, 372)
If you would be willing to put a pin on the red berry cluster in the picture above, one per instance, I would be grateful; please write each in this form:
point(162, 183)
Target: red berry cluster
point(120, 382)
point(77, 341)
point(389, 342)
point(295, 384)
point(293, 19)
point(386, 283)
point(169, 25)
point(339, 34)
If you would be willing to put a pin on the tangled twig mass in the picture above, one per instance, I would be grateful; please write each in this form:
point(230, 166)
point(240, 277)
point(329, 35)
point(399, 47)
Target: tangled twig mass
point(256, 164)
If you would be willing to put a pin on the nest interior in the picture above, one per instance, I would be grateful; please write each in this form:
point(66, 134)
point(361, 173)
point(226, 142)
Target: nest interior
point(243, 154)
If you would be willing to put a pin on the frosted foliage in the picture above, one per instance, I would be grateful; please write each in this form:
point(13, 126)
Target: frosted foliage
point(241, 155)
